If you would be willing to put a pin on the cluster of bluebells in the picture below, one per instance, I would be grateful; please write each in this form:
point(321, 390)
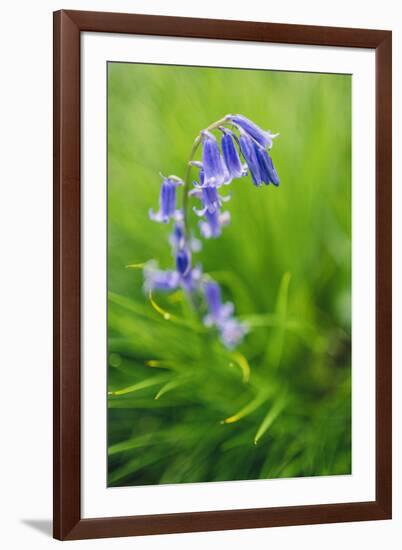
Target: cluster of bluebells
point(243, 149)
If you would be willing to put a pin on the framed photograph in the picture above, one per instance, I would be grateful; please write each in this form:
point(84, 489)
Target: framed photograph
point(222, 272)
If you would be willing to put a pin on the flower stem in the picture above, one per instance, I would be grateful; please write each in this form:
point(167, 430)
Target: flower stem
point(186, 180)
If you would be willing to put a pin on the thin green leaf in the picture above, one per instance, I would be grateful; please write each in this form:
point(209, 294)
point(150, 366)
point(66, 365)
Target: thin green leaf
point(168, 387)
point(248, 409)
point(134, 443)
point(269, 419)
point(148, 382)
point(277, 339)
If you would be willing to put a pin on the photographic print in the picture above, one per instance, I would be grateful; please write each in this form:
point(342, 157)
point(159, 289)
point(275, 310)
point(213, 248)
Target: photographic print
point(229, 274)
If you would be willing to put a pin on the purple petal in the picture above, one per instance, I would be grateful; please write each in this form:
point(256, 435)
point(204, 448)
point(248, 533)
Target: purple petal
point(183, 261)
point(263, 137)
point(212, 162)
point(231, 156)
point(247, 148)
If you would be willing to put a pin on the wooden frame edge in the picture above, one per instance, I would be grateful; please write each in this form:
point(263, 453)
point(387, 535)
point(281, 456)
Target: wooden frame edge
point(68, 524)
point(225, 520)
point(383, 63)
point(66, 309)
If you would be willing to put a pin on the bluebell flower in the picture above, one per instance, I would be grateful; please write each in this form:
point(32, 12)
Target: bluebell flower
point(191, 280)
point(207, 183)
point(214, 221)
point(183, 261)
point(213, 166)
point(249, 150)
point(267, 170)
point(177, 238)
point(263, 137)
point(157, 279)
point(231, 155)
point(165, 281)
point(218, 167)
point(211, 204)
point(167, 201)
point(210, 198)
point(231, 331)
point(217, 312)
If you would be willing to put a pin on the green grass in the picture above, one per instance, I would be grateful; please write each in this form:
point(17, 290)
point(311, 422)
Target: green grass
point(181, 407)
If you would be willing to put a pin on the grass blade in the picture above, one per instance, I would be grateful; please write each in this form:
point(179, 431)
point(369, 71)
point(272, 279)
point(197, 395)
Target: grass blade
point(134, 443)
point(277, 339)
point(148, 382)
point(243, 364)
point(269, 419)
point(168, 387)
point(248, 409)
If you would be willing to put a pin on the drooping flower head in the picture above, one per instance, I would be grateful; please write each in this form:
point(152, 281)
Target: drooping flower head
point(167, 201)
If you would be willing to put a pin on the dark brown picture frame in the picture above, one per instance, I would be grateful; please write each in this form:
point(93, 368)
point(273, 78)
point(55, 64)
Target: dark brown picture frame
point(68, 26)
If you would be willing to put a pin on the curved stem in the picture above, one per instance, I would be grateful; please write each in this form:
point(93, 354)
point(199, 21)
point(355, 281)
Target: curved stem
point(186, 180)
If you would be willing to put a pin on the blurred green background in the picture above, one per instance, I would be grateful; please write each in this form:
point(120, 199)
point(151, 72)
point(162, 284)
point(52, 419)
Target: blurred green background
point(181, 408)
